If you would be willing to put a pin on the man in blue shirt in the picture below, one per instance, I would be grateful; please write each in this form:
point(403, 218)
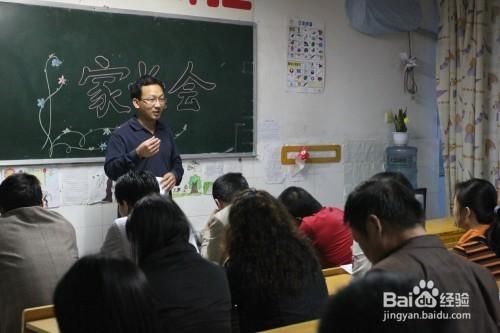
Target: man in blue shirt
point(143, 142)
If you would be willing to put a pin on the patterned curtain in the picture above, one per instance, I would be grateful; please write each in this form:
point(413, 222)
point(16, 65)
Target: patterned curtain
point(467, 70)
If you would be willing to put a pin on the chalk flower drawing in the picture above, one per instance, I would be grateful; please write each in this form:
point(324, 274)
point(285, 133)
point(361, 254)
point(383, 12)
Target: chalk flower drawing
point(56, 62)
point(40, 103)
point(61, 80)
point(67, 133)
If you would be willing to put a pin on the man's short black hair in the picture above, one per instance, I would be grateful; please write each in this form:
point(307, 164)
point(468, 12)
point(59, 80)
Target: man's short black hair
point(227, 186)
point(20, 190)
point(134, 185)
point(145, 80)
point(389, 200)
point(394, 175)
point(155, 223)
point(299, 202)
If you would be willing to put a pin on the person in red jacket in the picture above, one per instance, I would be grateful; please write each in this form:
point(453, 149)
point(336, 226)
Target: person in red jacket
point(325, 226)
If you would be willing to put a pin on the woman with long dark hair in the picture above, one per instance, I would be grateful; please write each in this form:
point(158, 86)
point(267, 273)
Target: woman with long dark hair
point(273, 273)
point(104, 294)
point(475, 211)
point(192, 293)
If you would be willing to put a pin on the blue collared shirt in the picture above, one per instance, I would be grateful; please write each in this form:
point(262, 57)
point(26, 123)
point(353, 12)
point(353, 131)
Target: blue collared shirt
point(122, 157)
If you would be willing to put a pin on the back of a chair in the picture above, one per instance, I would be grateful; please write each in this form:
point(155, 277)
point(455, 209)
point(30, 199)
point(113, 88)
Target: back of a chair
point(37, 313)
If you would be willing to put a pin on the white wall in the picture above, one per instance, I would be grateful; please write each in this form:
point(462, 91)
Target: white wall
point(363, 81)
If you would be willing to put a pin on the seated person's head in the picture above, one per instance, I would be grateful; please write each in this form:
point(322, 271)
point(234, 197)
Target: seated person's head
point(263, 237)
point(155, 223)
point(359, 307)
point(20, 190)
point(226, 187)
point(474, 203)
point(397, 176)
point(299, 202)
point(104, 294)
point(132, 186)
point(256, 216)
point(382, 215)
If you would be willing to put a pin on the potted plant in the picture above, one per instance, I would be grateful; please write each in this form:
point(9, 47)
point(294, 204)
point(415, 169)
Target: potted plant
point(400, 135)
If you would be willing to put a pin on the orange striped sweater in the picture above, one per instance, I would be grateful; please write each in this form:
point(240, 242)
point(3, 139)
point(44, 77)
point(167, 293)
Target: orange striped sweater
point(476, 250)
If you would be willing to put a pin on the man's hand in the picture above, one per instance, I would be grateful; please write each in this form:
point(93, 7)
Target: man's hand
point(168, 181)
point(148, 147)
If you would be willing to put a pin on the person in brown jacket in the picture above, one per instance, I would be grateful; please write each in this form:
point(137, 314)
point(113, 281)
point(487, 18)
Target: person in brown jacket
point(37, 246)
point(388, 223)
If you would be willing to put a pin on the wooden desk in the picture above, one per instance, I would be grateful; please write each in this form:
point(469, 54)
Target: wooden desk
point(336, 282)
point(336, 278)
point(305, 327)
point(48, 325)
point(333, 271)
point(437, 226)
point(445, 229)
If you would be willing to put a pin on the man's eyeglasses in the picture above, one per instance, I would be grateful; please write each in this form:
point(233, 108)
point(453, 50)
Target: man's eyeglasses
point(153, 100)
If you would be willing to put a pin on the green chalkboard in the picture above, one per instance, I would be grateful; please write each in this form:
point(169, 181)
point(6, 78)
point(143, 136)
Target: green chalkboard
point(66, 73)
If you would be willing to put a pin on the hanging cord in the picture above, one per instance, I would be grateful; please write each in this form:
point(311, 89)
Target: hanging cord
point(410, 86)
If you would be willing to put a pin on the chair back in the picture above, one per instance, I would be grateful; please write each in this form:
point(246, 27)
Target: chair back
point(37, 313)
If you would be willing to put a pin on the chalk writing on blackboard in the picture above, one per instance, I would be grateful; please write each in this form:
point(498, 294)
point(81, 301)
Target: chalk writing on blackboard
point(45, 120)
point(100, 94)
point(185, 89)
point(236, 134)
point(142, 69)
point(184, 129)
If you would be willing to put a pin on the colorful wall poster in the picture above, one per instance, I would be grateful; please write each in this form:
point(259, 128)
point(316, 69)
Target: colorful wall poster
point(305, 56)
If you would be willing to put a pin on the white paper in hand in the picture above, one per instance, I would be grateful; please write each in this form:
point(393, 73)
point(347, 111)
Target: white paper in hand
point(162, 190)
